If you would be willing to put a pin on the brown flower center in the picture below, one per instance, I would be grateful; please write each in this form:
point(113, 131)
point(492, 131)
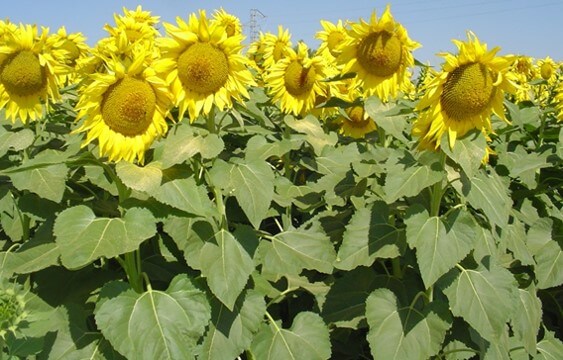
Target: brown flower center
point(22, 74)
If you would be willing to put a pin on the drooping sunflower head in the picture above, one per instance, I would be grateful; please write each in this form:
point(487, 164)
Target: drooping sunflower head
point(296, 80)
point(379, 52)
point(546, 68)
point(332, 37)
point(523, 71)
point(134, 27)
point(230, 23)
point(356, 123)
point(276, 47)
point(463, 96)
point(28, 73)
point(73, 49)
point(124, 108)
point(204, 66)
point(255, 52)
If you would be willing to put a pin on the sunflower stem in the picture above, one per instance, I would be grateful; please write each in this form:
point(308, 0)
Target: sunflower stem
point(221, 207)
point(210, 121)
point(381, 137)
point(132, 267)
point(437, 191)
point(396, 264)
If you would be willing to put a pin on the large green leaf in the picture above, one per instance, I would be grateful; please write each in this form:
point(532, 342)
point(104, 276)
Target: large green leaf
point(368, 236)
point(468, 151)
point(226, 265)
point(314, 133)
point(155, 324)
point(46, 181)
point(308, 338)
point(231, 332)
point(189, 234)
point(387, 117)
point(291, 251)
point(400, 333)
point(82, 237)
point(549, 348)
point(514, 238)
point(258, 148)
point(488, 193)
point(527, 318)
point(409, 179)
point(440, 244)
point(549, 269)
point(253, 186)
point(38, 253)
point(17, 140)
point(141, 178)
point(485, 298)
point(186, 195)
point(182, 144)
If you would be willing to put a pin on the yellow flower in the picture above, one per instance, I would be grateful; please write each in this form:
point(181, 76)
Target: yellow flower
point(255, 52)
point(463, 96)
point(124, 108)
point(547, 68)
point(379, 52)
point(559, 102)
point(28, 73)
point(229, 22)
point(137, 25)
point(523, 71)
point(74, 49)
point(296, 80)
point(203, 65)
point(276, 47)
point(332, 37)
point(356, 123)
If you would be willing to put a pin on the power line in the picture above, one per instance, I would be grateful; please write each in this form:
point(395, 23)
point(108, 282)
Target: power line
point(254, 27)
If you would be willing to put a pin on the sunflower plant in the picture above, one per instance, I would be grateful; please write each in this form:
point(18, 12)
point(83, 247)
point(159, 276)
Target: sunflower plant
point(171, 196)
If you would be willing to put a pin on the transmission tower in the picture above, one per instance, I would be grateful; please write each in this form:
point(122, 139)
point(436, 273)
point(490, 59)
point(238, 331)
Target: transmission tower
point(254, 27)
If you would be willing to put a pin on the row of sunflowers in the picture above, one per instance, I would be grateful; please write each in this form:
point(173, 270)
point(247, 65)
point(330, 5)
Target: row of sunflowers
point(129, 82)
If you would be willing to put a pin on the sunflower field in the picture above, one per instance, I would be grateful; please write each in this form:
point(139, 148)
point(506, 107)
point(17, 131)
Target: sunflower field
point(179, 192)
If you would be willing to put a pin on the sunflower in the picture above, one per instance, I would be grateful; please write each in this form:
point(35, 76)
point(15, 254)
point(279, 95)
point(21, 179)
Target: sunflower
point(379, 52)
point(229, 22)
point(7, 28)
point(203, 65)
point(332, 37)
point(356, 123)
point(28, 73)
point(296, 80)
point(462, 97)
point(74, 49)
point(523, 71)
point(124, 108)
point(276, 47)
point(559, 102)
point(137, 25)
point(546, 68)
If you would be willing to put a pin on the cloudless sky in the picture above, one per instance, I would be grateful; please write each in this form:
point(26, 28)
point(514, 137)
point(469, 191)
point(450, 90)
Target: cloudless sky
point(529, 27)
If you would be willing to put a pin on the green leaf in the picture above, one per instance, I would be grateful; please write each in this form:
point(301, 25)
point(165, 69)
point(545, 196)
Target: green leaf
point(155, 324)
point(82, 237)
point(468, 151)
point(47, 182)
point(402, 332)
point(488, 193)
point(368, 236)
point(189, 234)
point(38, 253)
point(539, 235)
point(514, 237)
point(253, 186)
point(12, 219)
point(345, 303)
point(141, 178)
point(226, 265)
point(17, 140)
point(186, 195)
point(314, 133)
point(549, 269)
point(308, 338)
point(527, 318)
point(258, 148)
point(410, 180)
point(439, 244)
point(231, 332)
point(484, 297)
point(386, 116)
point(182, 144)
point(291, 251)
point(550, 348)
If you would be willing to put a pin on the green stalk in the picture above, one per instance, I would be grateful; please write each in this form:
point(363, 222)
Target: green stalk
point(382, 137)
point(132, 266)
point(437, 191)
point(397, 271)
point(210, 121)
point(221, 207)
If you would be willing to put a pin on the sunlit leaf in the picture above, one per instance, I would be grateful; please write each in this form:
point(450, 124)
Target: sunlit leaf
point(308, 338)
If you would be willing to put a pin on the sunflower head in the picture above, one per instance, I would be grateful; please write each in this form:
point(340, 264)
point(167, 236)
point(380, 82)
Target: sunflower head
point(132, 28)
point(463, 96)
point(296, 80)
point(203, 65)
point(230, 23)
point(356, 123)
point(276, 47)
point(28, 73)
point(559, 102)
point(332, 37)
point(12, 310)
point(546, 68)
point(379, 52)
point(69, 50)
point(124, 108)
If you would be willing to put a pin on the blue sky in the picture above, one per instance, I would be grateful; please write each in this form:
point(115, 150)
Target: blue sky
point(530, 27)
